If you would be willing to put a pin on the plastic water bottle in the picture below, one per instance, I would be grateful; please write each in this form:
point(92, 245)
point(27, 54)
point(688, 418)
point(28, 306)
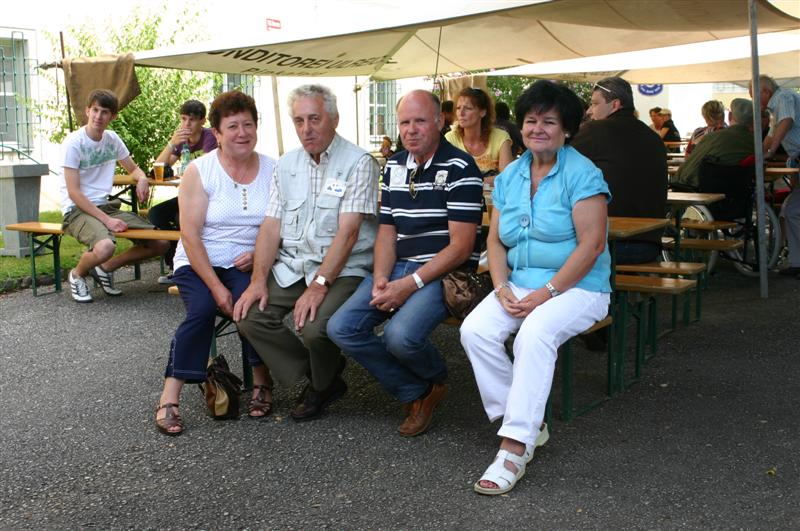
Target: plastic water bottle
point(184, 158)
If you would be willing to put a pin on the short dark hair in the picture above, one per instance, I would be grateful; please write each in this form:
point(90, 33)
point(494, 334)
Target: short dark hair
point(654, 110)
point(105, 99)
point(228, 103)
point(193, 108)
point(543, 96)
point(501, 110)
point(615, 88)
point(447, 106)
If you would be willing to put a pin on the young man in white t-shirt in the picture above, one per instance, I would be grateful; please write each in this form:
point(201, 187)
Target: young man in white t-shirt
point(90, 157)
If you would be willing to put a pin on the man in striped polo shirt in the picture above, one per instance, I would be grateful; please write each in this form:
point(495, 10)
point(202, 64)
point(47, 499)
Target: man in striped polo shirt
point(429, 218)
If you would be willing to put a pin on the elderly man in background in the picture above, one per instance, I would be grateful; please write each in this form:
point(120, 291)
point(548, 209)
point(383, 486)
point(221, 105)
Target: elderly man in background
point(429, 220)
point(633, 161)
point(312, 251)
point(727, 147)
point(784, 108)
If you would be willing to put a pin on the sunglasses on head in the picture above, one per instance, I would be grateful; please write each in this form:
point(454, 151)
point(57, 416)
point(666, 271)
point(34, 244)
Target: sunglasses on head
point(601, 87)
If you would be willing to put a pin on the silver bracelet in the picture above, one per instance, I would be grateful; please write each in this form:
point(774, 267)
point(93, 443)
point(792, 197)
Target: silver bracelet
point(499, 288)
point(553, 291)
point(170, 146)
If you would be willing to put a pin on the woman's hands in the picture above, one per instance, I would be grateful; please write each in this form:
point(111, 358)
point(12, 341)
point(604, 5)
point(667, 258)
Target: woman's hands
point(520, 308)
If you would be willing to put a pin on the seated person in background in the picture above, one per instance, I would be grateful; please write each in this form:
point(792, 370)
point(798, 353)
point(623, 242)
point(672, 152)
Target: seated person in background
point(429, 219)
point(550, 266)
point(784, 131)
point(713, 112)
point(666, 128)
point(726, 147)
point(223, 200)
point(199, 139)
point(386, 147)
point(633, 161)
point(490, 146)
point(654, 118)
point(448, 116)
point(502, 120)
point(90, 157)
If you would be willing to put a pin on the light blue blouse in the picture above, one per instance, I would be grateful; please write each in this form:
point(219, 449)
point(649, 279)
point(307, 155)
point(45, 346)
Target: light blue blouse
point(539, 234)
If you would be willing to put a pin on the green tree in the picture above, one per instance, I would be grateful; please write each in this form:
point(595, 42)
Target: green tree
point(147, 122)
point(509, 88)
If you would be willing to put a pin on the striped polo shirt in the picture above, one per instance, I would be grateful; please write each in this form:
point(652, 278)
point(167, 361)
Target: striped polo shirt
point(448, 188)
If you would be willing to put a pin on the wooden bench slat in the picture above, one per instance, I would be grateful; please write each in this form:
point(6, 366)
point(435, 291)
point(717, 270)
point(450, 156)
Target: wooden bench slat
point(664, 268)
point(707, 225)
point(663, 285)
point(38, 227)
point(699, 244)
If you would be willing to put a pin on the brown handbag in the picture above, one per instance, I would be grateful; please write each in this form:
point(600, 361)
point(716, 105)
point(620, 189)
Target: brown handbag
point(221, 389)
point(463, 289)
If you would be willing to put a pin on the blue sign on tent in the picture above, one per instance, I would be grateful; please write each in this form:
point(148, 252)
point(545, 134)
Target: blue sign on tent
point(650, 90)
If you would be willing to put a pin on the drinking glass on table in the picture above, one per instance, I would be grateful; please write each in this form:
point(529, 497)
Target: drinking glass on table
point(158, 171)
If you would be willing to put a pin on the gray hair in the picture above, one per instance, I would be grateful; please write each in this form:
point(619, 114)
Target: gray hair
point(742, 111)
point(768, 83)
point(615, 88)
point(314, 91)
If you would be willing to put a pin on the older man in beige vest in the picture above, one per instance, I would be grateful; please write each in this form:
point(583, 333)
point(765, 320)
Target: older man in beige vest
point(312, 251)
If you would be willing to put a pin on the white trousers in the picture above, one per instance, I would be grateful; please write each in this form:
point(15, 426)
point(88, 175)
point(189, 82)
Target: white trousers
point(518, 391)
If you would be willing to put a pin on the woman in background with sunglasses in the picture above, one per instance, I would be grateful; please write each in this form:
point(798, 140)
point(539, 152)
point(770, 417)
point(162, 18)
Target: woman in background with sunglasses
point(473, 133)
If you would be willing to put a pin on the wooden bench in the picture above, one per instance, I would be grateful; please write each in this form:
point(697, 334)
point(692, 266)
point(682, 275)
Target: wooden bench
point(699, 244)
point(646, 311)
point(47, 236)
point(708, 226)
point(693, 270)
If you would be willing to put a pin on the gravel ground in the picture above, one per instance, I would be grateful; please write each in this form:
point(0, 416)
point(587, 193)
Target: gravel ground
point(706, 440)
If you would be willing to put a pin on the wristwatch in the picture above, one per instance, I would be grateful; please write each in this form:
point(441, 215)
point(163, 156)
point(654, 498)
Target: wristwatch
point(322, 281)
point(553, 291)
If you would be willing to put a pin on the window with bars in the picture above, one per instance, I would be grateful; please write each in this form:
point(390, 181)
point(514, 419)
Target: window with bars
point(382, 116)
point(241, 82)
point(15, 117)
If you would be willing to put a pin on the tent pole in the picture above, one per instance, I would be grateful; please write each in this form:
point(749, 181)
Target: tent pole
point(759, 148)
point(277, 106)
point(356, 88)
point(69, 105)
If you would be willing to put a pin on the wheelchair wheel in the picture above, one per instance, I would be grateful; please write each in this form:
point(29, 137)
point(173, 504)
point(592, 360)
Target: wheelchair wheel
point(693, 213)
point(745, 260)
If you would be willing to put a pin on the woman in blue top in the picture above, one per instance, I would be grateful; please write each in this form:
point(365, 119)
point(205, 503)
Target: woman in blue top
point(550, 268)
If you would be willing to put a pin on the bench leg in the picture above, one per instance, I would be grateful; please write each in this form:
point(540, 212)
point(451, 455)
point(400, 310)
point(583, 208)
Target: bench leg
point(566, 381)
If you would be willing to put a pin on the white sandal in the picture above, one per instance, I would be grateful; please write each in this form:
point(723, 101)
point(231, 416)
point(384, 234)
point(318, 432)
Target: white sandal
point(497, 472)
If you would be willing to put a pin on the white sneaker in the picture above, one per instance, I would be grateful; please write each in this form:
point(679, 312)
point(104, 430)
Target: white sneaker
point(166, 279)
point(105, 280)
point(80, 291)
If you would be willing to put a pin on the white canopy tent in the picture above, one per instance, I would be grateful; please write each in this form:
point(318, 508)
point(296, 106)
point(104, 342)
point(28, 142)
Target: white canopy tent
point(725, 60)
point(484, 35)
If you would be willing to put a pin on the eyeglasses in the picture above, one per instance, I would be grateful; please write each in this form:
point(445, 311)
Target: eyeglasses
point(412, 188)
point(601, 87)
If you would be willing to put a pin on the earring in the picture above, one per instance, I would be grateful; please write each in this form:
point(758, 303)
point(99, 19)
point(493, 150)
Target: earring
point(566, 135)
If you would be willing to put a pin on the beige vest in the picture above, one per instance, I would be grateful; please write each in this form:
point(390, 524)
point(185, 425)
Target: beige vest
point(310, 221)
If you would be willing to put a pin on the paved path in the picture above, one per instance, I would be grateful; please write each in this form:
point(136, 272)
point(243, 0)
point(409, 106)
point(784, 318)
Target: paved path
point(708, 440)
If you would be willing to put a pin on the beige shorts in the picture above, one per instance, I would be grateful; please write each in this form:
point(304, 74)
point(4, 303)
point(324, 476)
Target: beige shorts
point(89, 230)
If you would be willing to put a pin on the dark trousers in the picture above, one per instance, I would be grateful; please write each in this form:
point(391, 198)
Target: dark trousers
point(636, 252)
point(188, 353)
point(165, 217)
point(288, 356)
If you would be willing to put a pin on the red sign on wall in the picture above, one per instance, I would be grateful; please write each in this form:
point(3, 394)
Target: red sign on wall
point(273, 23)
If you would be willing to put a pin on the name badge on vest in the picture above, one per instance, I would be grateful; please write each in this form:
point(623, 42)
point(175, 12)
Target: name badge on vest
point(397, 176)
point(334, 187)
point(440, 180)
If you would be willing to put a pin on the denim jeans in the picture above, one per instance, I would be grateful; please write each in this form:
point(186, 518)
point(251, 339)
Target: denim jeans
point(403, 359)
point(191, 344)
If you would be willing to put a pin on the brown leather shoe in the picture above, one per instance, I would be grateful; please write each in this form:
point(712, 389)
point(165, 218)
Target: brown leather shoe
point(313, 403)
point(421, 413)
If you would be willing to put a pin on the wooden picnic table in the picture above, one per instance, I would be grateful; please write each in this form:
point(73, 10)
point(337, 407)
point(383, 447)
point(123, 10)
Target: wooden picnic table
point(679, 201)
point(128, 185)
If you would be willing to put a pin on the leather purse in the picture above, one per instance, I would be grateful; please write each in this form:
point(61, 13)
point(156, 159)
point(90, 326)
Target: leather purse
point(463, 289)
point(221, 390)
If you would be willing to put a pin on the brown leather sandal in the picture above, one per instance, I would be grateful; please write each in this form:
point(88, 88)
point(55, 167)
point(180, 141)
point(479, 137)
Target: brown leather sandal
point(259, 403)
point(170, 420)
